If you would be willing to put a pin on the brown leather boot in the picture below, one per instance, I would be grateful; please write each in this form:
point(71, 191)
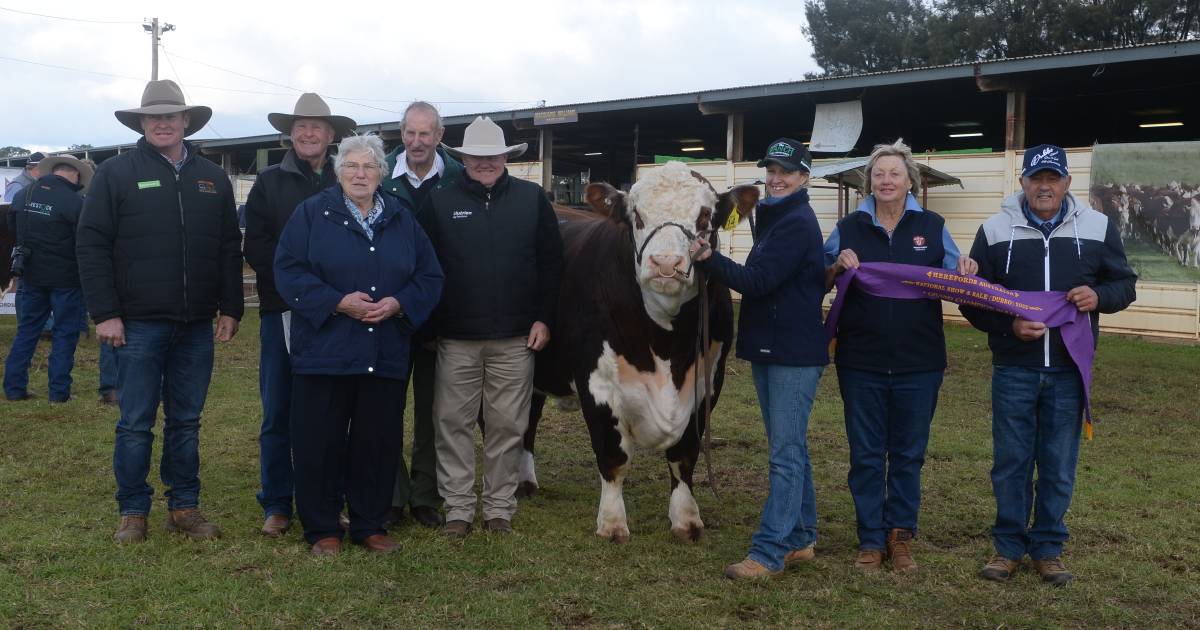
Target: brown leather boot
point(327, 547)
point(999, 568)
point(899, 550)
point(749, 570)
point(191, 522)
point(132, 529)
point(1053, 571)
point(456, 529)
point(798, 556)
point(868, 560)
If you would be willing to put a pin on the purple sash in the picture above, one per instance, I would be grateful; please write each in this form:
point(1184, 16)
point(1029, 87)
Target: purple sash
point(911, 282)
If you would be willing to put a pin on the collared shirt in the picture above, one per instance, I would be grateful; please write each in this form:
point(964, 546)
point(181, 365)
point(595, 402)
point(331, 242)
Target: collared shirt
point(833, 243)
point(439, 168)
point(182, 158)
point(1045, 226)
point(367, 223)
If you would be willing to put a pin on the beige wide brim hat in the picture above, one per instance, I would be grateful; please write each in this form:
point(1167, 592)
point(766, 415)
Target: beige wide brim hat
point(86, 171)
point(485, 138)
point(164, 97)
point(311, 105)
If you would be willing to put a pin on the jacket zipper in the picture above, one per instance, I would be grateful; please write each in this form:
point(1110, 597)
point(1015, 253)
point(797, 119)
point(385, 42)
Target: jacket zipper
point(183, 229)
point(1045, 278)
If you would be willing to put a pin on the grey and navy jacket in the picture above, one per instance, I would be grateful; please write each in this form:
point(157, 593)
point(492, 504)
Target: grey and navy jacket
point(1084, 249)
point(888, 335)
point(43, 218)
point(156, 243)
point(278, 191)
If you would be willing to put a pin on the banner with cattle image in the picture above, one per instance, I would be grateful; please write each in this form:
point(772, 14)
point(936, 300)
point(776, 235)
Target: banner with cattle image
point(1152, 190)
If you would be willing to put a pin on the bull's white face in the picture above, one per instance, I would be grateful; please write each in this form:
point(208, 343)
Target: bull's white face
point(670, 194)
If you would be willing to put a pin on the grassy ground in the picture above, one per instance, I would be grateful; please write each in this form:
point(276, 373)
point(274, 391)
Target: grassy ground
point(1135, 522)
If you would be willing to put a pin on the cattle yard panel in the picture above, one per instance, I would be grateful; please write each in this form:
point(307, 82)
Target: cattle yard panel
point(1163, 309)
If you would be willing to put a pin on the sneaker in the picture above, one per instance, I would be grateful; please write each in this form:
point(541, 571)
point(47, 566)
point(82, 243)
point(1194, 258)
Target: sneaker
point(798, 556)
point(456, 529)
point(132, 529)
point(868, 560)
point(191, 522)
point(999, 568)
point(1053, 571)
point(898, 549)
point(749, 570)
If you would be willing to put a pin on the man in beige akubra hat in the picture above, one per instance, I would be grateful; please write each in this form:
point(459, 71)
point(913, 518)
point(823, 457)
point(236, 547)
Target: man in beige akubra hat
point(159, 255)
point(498, 242)
point(306, 169)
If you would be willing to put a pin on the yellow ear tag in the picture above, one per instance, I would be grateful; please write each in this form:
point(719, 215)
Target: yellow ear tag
point(732, 222)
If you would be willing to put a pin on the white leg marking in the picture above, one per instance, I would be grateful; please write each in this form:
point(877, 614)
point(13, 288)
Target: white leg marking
point(528, 471)
point(611, 522)
point(683, 511)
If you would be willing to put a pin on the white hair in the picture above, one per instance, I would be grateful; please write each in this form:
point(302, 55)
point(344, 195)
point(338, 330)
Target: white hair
point(368, 143)
point(424, 107)
point(902, 151)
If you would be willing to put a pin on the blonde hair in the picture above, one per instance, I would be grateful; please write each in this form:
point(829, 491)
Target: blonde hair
point(902, 151)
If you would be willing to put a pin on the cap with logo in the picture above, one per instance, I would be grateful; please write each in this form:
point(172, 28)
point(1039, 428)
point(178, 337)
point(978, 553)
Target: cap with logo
point(789, 154)
point(1044, 157)
point(34, 158)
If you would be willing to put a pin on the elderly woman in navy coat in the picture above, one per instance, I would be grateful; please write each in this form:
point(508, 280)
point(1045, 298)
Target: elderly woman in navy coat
point(780, 334)
point(360, 277)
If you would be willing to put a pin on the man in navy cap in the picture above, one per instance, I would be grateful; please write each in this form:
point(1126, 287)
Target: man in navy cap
point(27, 177)
point(1043, 239)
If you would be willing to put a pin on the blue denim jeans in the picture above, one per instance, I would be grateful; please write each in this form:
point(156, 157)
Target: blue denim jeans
point(108, 369)
point(789, 517)
point(887, 424)
point(1036, 421)
point(34, 307)
point(169, 362)
point(274, 437)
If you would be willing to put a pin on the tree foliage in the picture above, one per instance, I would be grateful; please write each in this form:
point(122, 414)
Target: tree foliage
point(854, 36)
point(79, 147)
point(10, 151)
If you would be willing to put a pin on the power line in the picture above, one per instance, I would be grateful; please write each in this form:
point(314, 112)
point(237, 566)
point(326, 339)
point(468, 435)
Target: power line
point(185, 94)
point(67, 19)
point(139, 79)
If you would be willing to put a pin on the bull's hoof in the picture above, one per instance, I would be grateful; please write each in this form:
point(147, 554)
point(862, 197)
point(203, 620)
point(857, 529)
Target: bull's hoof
point(615, 536)
point(690, 534)
point(526, 490)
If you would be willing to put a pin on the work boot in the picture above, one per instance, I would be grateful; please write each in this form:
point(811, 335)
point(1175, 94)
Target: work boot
point(380, 543)
point(798, 556)
point(868, 560)
point(427, 516)
point(276, 525)
point(898, 550)
point(999, 568)
point(749, 570)
point(330, 546)
point(132, 529)
point(499, 526)
point(1053, 571)
point(110, 399)
point(456, 529)
point(191, 522)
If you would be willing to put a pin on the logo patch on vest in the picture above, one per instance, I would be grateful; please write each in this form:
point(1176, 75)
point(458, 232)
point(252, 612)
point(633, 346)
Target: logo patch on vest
point(151, 183)
point(206, 186)
point(919, 244)
point(461, 214)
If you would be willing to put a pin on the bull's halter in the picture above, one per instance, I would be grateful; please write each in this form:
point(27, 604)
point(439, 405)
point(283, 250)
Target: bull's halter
point(691, 236)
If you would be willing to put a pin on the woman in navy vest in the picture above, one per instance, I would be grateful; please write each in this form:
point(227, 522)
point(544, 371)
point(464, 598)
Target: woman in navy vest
point(779, 333)
point(890, 355)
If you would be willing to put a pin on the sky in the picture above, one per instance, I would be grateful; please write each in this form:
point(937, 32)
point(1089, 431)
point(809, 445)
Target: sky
point(370, 59)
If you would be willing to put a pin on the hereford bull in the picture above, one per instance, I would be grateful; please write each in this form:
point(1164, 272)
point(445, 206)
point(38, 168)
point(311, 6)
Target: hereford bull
point(627, 334)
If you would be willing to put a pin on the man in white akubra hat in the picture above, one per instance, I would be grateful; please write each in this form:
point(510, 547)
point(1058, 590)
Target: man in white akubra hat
point(159, 253)
point(498, 242)
point(306, 169)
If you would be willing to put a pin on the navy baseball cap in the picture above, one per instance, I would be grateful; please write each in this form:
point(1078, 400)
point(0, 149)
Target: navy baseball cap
point(789, 154)
point(34, 158)
point(1044, 157)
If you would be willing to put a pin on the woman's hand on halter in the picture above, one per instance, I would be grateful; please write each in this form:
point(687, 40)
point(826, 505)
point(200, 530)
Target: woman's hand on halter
point(700, 250)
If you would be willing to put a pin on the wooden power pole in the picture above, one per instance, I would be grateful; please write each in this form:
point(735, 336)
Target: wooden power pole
point(156, 32)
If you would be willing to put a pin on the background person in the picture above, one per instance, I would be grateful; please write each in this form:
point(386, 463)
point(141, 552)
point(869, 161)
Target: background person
point(305, 170)
point(891, 355)
point(360, 277)
point(43, 220)
point(783, 274)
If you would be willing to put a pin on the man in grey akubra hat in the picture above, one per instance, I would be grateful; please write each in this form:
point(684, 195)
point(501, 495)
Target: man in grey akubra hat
point(159, 254)
point(306, 169)
point(498, 241)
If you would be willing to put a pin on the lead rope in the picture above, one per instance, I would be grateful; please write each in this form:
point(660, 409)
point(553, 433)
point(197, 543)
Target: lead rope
point(704, 343)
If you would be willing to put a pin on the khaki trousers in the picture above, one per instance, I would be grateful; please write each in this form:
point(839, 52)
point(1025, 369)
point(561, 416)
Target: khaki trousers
point(498, 372)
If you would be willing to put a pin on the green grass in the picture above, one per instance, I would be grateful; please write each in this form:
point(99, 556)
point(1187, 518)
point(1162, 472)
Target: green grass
point(1135, 523)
